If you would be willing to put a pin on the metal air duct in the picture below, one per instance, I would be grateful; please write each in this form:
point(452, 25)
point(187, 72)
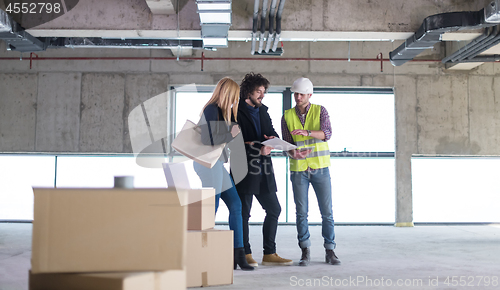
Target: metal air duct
point(434, 26)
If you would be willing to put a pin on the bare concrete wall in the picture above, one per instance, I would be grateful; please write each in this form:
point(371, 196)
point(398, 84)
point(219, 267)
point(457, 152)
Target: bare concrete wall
point(82, 105)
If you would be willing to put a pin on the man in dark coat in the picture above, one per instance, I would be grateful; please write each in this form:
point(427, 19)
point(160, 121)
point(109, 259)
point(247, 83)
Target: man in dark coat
point(256, 127)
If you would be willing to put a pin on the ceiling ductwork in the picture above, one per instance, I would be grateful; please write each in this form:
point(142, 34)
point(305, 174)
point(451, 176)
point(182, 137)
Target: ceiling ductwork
point(433, 27)
point(16, 38)
point(270, 48)
point(76, 42)
point(215, 20)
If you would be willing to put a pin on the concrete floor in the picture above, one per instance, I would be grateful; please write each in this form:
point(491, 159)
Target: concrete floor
point(373, 257)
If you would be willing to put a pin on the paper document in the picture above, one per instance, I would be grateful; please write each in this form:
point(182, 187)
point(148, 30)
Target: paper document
point(278, 144)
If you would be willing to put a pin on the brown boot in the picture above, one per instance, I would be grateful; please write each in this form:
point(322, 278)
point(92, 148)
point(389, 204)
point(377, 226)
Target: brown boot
point(331, 258)
point(275, 260)
point(251, 261)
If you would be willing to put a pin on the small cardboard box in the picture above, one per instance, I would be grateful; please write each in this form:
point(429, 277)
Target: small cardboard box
point(210, 258)
point(201, 214)
point(168, 280)
point(108, 230)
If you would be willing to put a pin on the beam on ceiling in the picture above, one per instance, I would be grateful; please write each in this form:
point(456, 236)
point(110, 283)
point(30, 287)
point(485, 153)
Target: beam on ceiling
point(242, 35)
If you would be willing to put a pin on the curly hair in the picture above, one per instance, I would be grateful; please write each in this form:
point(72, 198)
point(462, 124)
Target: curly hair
point(250, 83)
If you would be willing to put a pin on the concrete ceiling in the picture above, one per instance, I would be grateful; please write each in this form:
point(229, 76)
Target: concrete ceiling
point(303, 20)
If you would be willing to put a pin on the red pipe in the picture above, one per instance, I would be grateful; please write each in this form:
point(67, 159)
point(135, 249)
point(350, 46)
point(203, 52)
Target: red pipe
point(202, 58)
point(31, 59)
point(380, 55)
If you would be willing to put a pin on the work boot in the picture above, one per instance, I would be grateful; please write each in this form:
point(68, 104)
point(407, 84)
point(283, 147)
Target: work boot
point(240, 259)
point(251, 261)
point(306, 257)
point(275, 260)
point(331, 258)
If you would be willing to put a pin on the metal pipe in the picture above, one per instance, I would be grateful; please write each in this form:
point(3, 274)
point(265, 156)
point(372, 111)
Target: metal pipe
point(263, 25)
point(271, 25)
point(495, 34)
point(255, 24)
point(477, 41)
point(482, 58)
point(486, 46)
point(278, 24)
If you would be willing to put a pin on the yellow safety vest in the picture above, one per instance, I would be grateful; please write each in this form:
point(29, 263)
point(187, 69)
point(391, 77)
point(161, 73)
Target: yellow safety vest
point(320, 156)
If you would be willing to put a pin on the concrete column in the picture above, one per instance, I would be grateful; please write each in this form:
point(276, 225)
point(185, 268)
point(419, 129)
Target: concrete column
point(406, 140)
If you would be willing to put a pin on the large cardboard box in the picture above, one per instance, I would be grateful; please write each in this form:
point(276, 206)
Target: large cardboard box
point(210, 258)
point(201, 214)
point(168, 280)
point(108, 230)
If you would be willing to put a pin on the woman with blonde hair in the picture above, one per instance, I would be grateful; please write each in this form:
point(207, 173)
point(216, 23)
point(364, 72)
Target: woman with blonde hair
point(218, 126)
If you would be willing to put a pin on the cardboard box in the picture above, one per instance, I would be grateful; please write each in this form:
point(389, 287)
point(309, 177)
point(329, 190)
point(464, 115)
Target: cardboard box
point(201, 214)
point(108, 230)
point(168, 280)
point(210, 258)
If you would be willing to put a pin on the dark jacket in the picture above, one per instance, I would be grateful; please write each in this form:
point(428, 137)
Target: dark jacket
point(251, 184)
point(214, 130)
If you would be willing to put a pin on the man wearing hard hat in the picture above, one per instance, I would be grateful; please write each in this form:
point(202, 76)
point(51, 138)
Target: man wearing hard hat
point(308, 127)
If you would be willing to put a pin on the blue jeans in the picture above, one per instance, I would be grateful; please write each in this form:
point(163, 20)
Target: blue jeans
point(321, 182)
point(218, 178)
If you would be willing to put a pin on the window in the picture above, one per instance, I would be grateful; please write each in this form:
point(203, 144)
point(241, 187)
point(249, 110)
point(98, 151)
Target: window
point(455, 190)
point(18, 175)
point(99, 171)
point(361, 121)
point(362, 146)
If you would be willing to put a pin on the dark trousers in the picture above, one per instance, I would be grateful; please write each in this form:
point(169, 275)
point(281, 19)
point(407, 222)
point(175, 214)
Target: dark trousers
point(269, 202)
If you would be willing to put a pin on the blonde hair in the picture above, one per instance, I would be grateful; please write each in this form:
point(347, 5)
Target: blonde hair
point(226, 94)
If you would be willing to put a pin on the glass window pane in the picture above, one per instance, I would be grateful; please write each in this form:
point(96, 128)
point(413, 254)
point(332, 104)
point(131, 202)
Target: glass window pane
point(360, 122)
point(18, 175)
point(363, 191)
point(99, 172)
point(188, 106)
point(456, 189)
point(274, 102)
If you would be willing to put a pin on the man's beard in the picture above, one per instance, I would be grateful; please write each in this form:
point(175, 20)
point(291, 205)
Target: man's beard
point(256, 104)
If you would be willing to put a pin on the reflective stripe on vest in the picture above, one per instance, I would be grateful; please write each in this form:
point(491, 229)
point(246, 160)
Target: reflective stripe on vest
point(320, 156)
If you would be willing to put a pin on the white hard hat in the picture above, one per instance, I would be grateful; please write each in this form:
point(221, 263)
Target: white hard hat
point(302, 86)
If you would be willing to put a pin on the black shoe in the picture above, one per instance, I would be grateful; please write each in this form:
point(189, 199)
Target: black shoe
point(331, 258)
point(306, 257)
point(241, 260)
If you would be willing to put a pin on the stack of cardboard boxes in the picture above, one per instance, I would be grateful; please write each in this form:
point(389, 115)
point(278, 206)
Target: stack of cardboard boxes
point(126, 239)
point(210, 251)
